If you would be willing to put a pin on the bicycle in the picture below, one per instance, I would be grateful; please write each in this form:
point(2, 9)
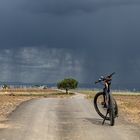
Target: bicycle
point(104, 103)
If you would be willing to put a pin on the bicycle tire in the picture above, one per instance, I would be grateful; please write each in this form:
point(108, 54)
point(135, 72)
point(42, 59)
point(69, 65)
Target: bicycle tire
point(111, 110)
point(98, 108)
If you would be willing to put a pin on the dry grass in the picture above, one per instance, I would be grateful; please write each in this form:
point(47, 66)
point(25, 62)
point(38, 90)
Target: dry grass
point(9, 103)
point(129, 107)
point(32, 91)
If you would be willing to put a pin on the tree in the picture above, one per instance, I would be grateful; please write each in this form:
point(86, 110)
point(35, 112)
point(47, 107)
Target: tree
point(5, 86)
point(68, 83)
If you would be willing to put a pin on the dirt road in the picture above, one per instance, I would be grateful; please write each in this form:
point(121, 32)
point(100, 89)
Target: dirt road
point(63, 119)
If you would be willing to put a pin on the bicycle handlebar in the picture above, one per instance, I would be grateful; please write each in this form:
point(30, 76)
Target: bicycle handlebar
point(107, 78)
point(111, 74)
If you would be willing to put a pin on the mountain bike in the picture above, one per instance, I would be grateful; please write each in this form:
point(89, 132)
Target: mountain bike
point(104, 103)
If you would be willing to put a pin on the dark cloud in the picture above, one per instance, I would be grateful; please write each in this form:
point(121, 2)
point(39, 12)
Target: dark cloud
point(58, 39)
point(68, 7)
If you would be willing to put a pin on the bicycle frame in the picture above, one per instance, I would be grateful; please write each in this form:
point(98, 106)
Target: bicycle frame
point(106, 91)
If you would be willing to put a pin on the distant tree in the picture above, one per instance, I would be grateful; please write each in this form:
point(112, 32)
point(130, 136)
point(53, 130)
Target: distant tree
point(5, 86)
point(68, 83)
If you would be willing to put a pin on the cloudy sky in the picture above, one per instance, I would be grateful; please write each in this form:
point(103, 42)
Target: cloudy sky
point(47, 40)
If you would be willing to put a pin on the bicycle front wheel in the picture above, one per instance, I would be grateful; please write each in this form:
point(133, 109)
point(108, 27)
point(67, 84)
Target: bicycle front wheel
point(100, 105)
point(101, 108)
point(111, 110)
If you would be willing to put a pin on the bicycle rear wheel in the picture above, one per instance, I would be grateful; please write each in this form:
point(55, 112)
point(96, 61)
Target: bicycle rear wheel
point(100, 108)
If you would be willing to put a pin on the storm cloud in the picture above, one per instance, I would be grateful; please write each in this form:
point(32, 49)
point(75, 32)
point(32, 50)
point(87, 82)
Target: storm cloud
point(45, 41)
point(67, 7)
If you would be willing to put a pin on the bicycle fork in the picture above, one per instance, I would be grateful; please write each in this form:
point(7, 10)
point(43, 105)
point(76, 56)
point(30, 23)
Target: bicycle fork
point(105, 117)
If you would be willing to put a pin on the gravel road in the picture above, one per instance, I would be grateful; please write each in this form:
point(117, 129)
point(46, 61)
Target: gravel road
point(63, 119)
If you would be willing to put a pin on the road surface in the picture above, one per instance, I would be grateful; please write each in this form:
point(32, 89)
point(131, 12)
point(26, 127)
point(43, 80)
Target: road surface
point(63, 119)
